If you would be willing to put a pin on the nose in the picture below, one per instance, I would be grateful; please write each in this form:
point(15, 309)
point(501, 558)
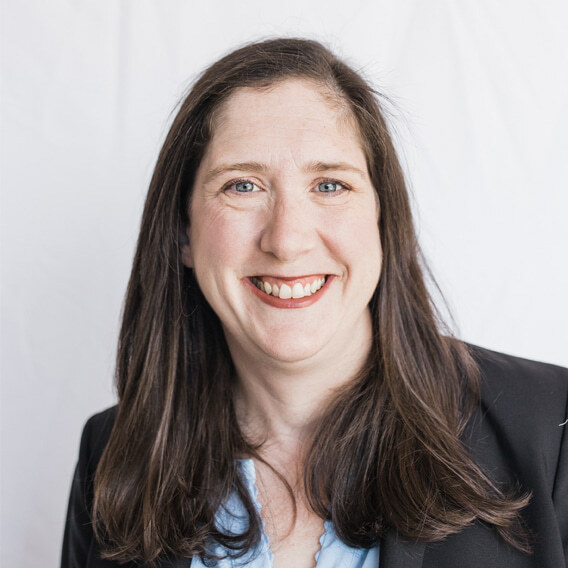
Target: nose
point(290, 229)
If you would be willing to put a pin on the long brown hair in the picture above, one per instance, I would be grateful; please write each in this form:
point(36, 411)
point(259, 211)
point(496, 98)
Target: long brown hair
point(386, 453)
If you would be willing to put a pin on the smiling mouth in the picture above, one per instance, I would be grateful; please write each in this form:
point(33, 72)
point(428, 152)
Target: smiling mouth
point(293, 288)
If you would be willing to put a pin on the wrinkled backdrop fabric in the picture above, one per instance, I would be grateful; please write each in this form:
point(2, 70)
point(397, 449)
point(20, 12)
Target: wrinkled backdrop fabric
point(477, 95)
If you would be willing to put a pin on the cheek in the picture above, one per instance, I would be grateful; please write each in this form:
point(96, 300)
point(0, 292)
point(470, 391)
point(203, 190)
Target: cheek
point(221, 239)
point(358, 235)
point(363, 254)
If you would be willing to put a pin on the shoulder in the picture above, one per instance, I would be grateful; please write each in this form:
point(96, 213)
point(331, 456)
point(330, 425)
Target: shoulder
point(80, 546)
point(519, 426)
point(79, 543)
point(523, 387)
point(100, 425)
point(94, 439)
point(496, 365)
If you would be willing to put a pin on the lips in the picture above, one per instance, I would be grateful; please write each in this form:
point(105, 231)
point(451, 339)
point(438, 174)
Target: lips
point(286, 288)
point(293, 292)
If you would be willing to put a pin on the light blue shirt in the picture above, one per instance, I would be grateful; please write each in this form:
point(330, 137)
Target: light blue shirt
point(232, 518)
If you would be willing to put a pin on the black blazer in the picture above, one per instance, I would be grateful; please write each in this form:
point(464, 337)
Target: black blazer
point(517, 435)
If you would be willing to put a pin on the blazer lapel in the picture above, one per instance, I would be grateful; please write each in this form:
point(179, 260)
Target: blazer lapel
point(397, 552)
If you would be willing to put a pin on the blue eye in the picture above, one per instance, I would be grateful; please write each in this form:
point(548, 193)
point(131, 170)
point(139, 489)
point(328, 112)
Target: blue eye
point(330, 187)
point(245, 186)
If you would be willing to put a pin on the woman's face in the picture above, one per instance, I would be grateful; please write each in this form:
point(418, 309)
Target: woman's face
point(283, 235)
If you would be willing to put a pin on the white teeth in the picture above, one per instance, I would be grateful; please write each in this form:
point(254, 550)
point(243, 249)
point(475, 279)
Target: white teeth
point(285, 292)
point(297, 291)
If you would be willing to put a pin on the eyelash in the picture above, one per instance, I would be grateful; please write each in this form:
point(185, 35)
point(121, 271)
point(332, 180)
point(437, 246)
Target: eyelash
point(234, 182)
point(342, 186)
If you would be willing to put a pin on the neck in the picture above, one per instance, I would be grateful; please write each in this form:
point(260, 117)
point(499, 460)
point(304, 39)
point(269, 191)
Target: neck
point(278, 402)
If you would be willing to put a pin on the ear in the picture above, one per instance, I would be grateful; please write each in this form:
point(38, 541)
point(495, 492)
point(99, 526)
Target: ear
point(185, 249)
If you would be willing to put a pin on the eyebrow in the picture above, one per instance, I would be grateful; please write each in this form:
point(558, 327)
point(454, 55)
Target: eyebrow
point(310, 167)
point(314, 167)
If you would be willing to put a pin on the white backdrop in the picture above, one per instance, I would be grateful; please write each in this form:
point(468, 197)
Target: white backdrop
point(480, 92)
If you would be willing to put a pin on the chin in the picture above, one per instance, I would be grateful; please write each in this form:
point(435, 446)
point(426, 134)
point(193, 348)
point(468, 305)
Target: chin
point(292, 352)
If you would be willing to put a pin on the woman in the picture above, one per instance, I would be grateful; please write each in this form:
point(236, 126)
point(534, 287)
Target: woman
point(286, 394)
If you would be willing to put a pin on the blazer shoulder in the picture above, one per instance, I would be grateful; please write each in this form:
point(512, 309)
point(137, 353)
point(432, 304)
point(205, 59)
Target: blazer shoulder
point(94, 439)
point(523, 408)
point(79, 543)
point(529, 382)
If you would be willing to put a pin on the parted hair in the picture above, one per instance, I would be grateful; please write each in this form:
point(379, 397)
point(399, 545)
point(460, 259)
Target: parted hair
point(386, 452)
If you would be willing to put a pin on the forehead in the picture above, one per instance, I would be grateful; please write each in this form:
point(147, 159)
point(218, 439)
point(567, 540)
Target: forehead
point(297, 115)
